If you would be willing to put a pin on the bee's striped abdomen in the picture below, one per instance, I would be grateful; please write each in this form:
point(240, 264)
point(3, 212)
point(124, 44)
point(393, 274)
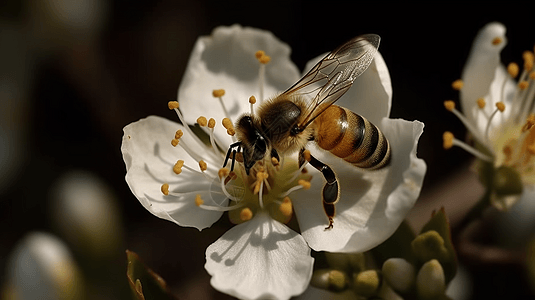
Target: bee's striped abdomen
point(352, 137)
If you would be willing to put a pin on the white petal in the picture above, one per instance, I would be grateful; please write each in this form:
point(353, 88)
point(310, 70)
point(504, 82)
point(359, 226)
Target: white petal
point(371, 93)
point(372, 203)
point(149, 158)
point(260, 259)
point(226, 60)
point(484, 75)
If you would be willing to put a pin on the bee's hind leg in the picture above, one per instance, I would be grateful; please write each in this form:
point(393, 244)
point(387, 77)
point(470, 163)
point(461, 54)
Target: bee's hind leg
point(331, 190)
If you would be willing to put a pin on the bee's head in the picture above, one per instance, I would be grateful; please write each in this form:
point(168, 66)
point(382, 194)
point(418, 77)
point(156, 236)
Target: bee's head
point(253, 142)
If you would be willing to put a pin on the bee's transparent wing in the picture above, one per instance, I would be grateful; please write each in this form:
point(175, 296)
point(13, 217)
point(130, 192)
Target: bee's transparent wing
point(330, 78)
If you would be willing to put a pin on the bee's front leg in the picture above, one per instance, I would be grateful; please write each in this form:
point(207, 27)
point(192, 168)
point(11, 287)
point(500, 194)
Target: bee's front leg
point(331, 190)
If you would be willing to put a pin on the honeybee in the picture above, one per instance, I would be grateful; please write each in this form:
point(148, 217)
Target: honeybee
point(306, 112)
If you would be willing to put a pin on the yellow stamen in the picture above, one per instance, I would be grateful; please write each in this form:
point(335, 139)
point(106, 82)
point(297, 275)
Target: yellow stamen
point(174, 142)
point(178, 134)
point(286, 207)
point(512, 69)
point(203, 165)
point(528, 60)
point(530, 121)
point(500, 106)
point(523, 85)
point(202, 121)
point(218, 93)
point(227, 123)
point(172, 104)
point(447, 137)
point(307, 155)
point(223, 172)
point(177, 168)
point(274, 161)
point(259, 54)
point(211, 123)
point(252, 100)
point(457, 84)
point(264, 59)
point(165, 189)
point(246, 214)
point(198, 200)
point(496, 41)
point(449, 105)
point(305, 184)
point(481, 103)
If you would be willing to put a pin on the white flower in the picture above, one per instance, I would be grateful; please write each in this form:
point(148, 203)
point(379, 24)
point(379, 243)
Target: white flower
point(261, 257)
point(498, 112)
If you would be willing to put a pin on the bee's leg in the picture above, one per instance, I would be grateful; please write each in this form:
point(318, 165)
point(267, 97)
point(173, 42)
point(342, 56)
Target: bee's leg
point(231, 150)
point(331, 190)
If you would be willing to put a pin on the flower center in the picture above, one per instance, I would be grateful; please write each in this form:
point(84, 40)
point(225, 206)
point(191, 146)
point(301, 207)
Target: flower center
point(268, 185)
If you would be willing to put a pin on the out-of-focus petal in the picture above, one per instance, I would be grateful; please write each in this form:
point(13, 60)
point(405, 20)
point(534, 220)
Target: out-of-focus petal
point(149, 158)
point(226, 60)
point(260, 259)
point(372, 203)
point(484, 76)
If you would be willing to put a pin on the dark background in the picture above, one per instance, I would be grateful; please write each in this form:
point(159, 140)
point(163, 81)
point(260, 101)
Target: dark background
point(79, 93)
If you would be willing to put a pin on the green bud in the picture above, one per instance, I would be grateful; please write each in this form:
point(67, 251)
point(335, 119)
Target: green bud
point(399, 274)
point(430, 281)
point(429, 245)
point(367, 283)
point(328, 279)
point(348, 262)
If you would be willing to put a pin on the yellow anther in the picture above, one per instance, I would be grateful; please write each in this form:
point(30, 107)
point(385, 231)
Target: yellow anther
point(177, 168)
point(286, 207)
point(223, 172)
point(259, 54)
point(211, 123)
point(512, 69)
point(532, 75)
point(239, 157)
point(203, 165)
point(252, 100)
point(172, 104)
point(165, 189)
point(500, 106)
point(174, 142)
point(233, 175)
point(231, 131)
point(457, 84)
point(449, 105)
point(530, 121)
point(198, 200)
point(496, 41)
point(523, 85)
point(481, 103)
point(528, 60)
point(274, 161)
point(264, 59)
point(246, 214)
point(218, 93)
point(447, 137)
point(227, 123)
point(202, 121)
point(307, 155)
point(178, 134)
point(305, 184)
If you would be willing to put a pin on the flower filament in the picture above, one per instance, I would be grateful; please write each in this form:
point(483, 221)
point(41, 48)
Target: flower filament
point(268, 185)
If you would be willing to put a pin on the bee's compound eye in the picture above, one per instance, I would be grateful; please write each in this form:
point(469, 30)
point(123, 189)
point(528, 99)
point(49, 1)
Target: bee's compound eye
point(295, 130)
